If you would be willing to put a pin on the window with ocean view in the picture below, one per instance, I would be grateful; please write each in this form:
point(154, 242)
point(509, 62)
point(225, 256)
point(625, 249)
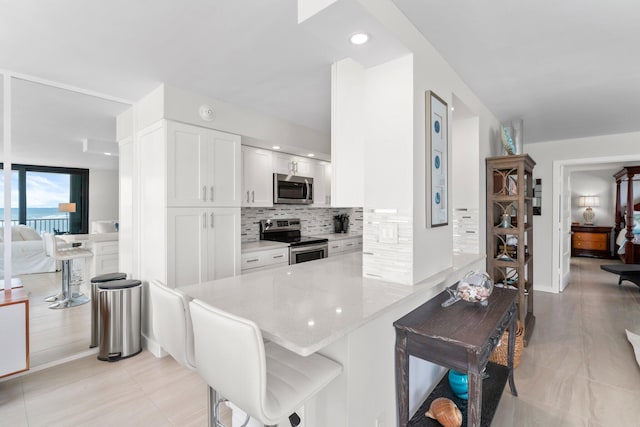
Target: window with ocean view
point(38, 191)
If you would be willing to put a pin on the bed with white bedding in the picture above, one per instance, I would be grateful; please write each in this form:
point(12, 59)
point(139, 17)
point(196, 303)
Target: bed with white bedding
point(627, 215)
point(27, 252)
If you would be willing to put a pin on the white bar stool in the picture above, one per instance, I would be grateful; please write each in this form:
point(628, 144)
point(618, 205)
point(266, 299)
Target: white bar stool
point(67, 298)
point(265, 380)
point(172, 323)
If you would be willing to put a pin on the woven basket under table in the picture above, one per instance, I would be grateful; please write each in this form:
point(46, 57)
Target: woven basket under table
point(499, 354)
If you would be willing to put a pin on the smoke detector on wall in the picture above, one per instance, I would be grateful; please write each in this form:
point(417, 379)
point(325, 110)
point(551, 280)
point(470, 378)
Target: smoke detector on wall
point(207, 113)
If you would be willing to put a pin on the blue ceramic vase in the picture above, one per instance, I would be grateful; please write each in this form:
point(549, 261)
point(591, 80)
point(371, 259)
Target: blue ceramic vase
point(459, 383)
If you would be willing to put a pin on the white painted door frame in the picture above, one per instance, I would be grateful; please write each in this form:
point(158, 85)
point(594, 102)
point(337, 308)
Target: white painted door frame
point(558, 229)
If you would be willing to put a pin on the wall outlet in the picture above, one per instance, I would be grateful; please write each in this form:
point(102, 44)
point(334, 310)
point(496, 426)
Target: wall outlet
point(380, 421)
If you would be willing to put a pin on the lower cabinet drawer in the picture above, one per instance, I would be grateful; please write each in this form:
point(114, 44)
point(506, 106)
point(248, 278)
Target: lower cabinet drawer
point(258, 259)
point(594, 245)
point(590, 237)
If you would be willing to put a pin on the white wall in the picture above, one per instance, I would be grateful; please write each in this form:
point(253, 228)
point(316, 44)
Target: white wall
point(347, 136)
point(388, 171)
point(597, 149)
point(465, 164)
point(594, 183)
point(103, 195)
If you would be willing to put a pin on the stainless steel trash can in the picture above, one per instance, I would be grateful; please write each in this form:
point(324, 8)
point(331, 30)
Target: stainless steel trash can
point(119, 313)
point(94, 302)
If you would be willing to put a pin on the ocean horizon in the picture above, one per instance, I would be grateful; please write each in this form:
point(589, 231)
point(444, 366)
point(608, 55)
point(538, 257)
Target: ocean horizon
point(36, 213)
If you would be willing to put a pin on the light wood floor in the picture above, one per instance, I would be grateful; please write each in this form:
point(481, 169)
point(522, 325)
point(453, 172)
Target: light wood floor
point(54, 334)
point(578, 370)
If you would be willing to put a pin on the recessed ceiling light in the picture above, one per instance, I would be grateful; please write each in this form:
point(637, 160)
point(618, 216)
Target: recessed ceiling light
point(359, 38)
point(276, 147)
point(311, 155)
point(453, 108)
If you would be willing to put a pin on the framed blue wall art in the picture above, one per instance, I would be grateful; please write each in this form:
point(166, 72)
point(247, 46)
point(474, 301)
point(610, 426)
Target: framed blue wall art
point(437, 156)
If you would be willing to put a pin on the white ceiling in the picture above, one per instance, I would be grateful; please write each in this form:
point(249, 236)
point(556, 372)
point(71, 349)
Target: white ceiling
point(568, 68)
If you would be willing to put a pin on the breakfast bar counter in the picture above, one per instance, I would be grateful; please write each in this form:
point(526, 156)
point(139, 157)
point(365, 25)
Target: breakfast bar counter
point(326, 306)
point(304, 307)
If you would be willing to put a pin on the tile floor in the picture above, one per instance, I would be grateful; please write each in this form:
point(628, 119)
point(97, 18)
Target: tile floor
point(578, 370)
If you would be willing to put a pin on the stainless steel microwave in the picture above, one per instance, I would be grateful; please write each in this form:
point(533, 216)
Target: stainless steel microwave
point(292, 190)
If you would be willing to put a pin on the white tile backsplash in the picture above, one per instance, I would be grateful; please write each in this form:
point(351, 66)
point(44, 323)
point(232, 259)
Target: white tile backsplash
point(466, 231)
point(312, 220)
point(388, 245)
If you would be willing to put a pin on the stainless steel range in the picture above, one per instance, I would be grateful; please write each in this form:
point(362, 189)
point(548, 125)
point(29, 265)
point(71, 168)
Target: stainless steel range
point(301, 248)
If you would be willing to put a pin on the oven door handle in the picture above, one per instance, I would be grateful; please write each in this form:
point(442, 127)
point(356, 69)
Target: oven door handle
point(307, 248)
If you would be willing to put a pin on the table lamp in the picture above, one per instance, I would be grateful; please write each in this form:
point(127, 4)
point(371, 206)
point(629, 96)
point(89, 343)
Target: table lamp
point(69, 208)
point(588, 202)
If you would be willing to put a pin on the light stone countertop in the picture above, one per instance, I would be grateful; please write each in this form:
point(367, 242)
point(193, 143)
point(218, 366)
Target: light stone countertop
point(337, 236)
point(305, 307)
point(261, 245)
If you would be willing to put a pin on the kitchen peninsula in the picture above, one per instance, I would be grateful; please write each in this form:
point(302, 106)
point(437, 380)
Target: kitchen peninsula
point(327, 306)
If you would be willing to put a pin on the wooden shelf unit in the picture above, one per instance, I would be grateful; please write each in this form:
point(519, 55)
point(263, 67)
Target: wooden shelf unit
point(510, 229)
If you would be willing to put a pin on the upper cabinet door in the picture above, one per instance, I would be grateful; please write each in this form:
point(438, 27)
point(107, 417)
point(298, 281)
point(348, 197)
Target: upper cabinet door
point(304, 167)
point(186, 165)
point(257, 173)
point(203, 167)
point(287, 164)
point(322, 184)
point(224, 170)
point(283, 163)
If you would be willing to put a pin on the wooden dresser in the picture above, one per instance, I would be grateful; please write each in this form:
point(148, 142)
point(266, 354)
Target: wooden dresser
point(591, 241)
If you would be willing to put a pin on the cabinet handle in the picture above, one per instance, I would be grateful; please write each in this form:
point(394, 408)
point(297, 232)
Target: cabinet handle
point(253, 196)
point(278, 256)
point(211, 219)
point(212, 193)
point(204, 220)
point(204, 193)
point(247, 197)
point(253, 260)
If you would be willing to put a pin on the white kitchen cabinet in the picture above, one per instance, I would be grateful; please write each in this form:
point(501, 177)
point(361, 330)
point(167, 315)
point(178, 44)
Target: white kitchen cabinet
point(343, 246)
point(322, 184)
point(261, 260)
point(335, 247)
point(105, 257)
point(203, 167)
point(202, 244)
point(178, 244)
point(292, 165)
point(257, 177)
point(14, 333)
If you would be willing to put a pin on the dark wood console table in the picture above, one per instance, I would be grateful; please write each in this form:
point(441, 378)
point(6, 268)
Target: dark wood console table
point(459, 337)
